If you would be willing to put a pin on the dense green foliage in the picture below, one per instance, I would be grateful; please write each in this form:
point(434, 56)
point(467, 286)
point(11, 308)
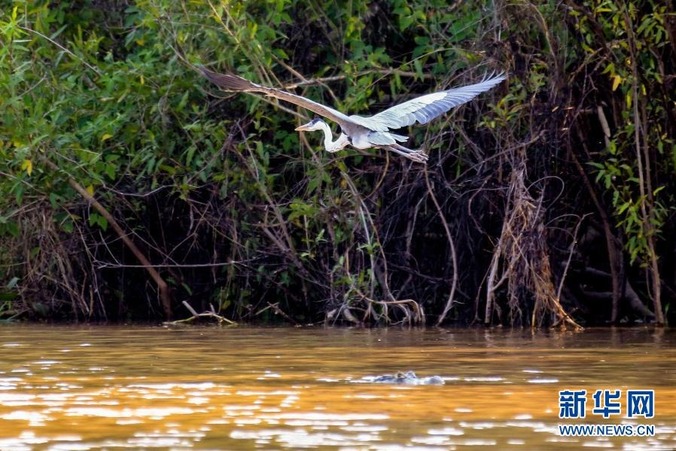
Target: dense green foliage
point(553, 193)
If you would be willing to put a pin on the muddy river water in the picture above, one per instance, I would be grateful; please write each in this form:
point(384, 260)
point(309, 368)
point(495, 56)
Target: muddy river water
point(81, 388)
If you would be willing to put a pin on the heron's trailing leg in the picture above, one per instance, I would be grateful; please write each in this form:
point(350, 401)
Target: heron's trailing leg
point(417, 155)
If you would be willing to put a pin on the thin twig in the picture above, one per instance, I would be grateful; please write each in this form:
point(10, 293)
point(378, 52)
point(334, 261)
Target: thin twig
point(570, 255)
point(30, 30)
point(451, 244)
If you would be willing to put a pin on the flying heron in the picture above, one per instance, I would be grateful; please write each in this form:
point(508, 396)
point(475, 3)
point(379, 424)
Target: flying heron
point(365, 132)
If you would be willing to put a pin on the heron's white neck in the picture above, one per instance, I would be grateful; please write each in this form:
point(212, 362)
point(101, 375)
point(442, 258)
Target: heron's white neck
point(329, 144)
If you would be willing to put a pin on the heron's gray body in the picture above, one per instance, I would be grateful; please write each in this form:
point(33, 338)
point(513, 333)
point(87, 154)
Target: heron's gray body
point(365, 132)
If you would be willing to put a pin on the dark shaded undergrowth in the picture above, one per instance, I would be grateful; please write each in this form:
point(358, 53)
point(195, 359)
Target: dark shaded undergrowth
point(130, 185)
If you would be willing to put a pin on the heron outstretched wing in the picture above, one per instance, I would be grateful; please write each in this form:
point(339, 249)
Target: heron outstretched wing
point(232, 82)
point(421, 109)
point(425, 108)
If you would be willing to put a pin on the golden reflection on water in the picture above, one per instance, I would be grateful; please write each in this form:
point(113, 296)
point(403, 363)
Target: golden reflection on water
point(254, 388)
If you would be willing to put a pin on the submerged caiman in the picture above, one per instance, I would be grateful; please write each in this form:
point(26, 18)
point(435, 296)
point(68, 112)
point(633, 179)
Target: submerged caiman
point(403, 378)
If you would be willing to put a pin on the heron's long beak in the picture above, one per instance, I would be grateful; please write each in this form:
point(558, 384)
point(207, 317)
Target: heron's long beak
point(304, 127)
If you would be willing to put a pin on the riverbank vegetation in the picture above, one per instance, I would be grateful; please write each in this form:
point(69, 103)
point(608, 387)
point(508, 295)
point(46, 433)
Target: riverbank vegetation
point(131, 186)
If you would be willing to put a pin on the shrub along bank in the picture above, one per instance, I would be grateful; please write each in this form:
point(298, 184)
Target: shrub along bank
point(130, 185)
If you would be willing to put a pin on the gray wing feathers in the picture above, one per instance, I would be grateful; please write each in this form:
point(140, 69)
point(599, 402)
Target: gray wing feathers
point(385, 138)
point(425, 108)
point(228, 81)
point(232, 82)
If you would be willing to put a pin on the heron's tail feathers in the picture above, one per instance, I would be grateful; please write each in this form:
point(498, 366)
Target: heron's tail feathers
point(228, 82)
point(399, 138)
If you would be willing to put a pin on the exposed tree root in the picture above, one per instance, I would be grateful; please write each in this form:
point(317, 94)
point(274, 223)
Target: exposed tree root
point(195, 316)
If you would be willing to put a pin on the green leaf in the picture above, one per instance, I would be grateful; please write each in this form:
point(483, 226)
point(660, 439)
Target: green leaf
point(98, 220)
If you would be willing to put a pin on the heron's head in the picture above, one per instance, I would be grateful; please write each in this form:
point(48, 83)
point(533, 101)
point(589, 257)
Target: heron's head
point(314, 124)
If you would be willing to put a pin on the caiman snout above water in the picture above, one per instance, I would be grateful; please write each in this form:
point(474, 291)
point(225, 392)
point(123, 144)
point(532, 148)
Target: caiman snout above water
point(405, 378)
